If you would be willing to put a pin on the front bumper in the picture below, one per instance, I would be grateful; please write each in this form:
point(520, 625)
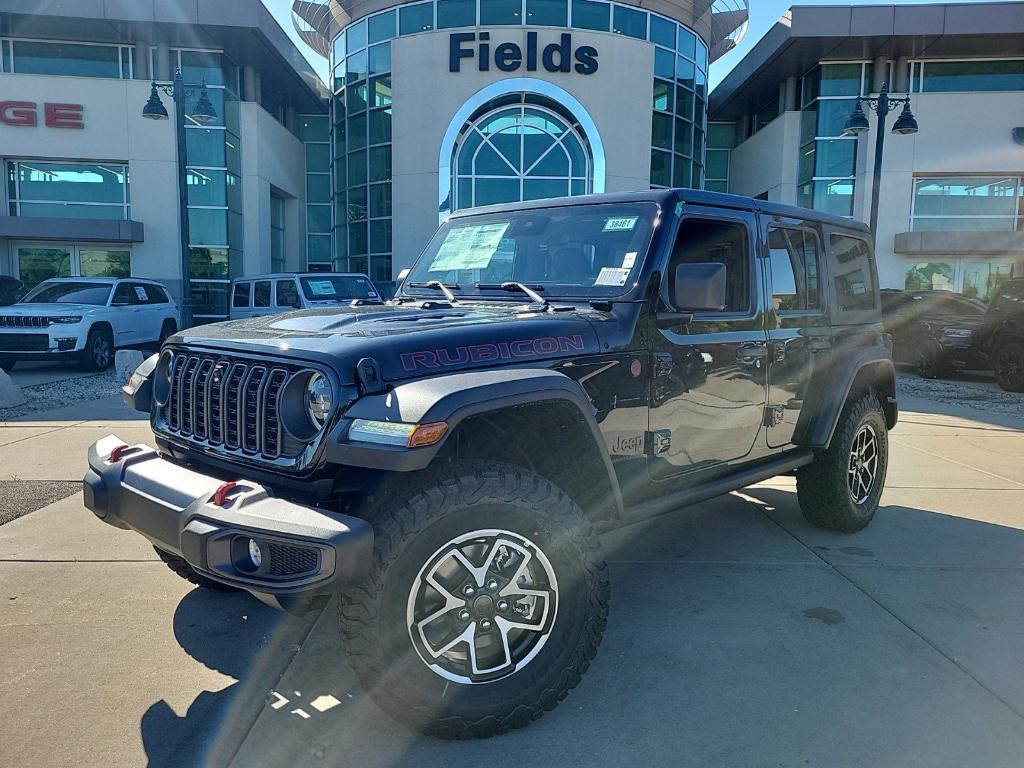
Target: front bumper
point(307, 553)
point(42, 343)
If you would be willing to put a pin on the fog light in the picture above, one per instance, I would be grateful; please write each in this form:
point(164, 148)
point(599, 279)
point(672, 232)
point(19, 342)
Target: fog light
point(64, 345)
point(255, 554)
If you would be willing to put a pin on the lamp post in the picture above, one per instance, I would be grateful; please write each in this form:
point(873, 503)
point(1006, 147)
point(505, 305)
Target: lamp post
point(857, 124)
point(203, 114)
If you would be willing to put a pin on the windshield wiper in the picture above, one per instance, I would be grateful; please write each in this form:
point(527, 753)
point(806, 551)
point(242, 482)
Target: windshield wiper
point(513, 287)
point(437, 285)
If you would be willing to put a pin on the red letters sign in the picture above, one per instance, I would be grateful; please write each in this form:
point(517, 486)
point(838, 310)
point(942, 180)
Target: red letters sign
point(25, 114)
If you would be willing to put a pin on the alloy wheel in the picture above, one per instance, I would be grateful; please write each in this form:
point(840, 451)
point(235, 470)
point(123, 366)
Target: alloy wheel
point(863, 466)
point(482, 606)
point(1010, 367)
point(101, 353)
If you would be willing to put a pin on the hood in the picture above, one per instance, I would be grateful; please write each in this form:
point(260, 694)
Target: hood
point(941, 322)
point(406, 341)
point(50, 310)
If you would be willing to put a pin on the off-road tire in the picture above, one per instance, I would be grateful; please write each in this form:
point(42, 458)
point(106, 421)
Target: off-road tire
point(1008, 365)
point(7, 363)
point(189, 574)
point(822, 487)
point(415, 517)
point(92, 358)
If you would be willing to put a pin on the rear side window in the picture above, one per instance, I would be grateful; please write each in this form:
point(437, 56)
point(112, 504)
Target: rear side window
point(156, 294)
point(240, 296)
point(261, 294)
point(287, 293)
point(854, 284)
point(794, 264)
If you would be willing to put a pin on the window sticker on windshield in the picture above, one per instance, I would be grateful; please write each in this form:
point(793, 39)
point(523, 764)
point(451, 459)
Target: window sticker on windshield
point(140, 292)
point(321, 287)
point(629, 260)
point(620, 223)
point(612, 276)
point(470, 247)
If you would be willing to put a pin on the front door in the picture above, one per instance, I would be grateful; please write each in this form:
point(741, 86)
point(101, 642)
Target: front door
point(709, 376)
point(798, 328)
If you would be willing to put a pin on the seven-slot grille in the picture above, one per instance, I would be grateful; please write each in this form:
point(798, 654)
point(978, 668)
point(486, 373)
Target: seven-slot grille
point(226, 402)
point(18, 321)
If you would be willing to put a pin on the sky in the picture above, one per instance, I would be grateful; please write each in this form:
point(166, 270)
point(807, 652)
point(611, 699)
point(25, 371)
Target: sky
point(763, 14)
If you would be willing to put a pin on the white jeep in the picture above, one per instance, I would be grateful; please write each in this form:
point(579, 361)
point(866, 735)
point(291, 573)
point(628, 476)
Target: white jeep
point(85, 319)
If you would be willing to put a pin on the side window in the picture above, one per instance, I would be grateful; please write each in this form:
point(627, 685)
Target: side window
point(261, 294)
point(124, 295)
point(240, 296)
point(794, 264)
point(703, 241)
point(155, 295)
point(854, 285)
point(287, 294)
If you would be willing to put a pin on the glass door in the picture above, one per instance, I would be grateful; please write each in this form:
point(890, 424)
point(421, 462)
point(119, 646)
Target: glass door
point(36, 263)
point(977, 278)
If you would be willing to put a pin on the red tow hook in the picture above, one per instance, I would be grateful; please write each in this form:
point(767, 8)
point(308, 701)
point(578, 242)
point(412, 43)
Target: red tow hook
point(220, 497)
point(118, 453)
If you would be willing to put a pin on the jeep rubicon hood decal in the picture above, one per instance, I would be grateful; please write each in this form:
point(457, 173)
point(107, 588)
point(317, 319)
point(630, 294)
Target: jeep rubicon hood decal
point(405, 340)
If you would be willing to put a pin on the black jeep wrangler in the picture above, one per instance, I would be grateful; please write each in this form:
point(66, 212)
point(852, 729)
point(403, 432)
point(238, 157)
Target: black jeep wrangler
point(546, 371)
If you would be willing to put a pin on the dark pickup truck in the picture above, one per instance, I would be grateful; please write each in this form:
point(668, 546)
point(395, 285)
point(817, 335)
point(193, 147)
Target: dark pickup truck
point(445, 462)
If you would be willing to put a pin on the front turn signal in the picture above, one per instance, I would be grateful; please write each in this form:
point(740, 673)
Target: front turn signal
point(427, 434)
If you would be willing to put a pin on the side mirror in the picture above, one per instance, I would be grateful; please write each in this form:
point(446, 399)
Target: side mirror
point(700, 287)
point(401, 278)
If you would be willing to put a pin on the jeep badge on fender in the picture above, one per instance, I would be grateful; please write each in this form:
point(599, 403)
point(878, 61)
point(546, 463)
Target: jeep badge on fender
point(444, 462)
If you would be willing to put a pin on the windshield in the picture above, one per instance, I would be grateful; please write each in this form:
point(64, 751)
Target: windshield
point(69, 293)
point(569, 251)
point(337, 288)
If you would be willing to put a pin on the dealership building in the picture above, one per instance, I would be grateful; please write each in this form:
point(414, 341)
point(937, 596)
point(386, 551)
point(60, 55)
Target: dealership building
point(951, 199)
point(439, 105)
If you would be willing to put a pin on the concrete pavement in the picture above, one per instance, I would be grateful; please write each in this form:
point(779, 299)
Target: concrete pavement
point(739, 635)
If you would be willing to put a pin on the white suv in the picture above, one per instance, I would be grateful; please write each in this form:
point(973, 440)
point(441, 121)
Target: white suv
point(85, 318)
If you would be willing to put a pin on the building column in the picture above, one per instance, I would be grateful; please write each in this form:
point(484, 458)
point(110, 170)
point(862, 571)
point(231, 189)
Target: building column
point(163, 71)
point(291, 120)
point(900, 78)
point(140, 61)
point(881, 73)
point(791, 88)
point(251, 84)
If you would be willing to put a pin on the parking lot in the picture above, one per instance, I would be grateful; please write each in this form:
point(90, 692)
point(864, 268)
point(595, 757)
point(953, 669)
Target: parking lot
point(738, 635)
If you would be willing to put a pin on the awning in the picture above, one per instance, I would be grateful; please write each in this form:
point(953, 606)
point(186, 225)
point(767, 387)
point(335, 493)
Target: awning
point(72, 230)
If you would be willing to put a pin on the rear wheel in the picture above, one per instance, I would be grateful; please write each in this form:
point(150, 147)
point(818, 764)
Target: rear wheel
point(7, 363)
point(840, 489)
point(190, 574)
point(486, 603)
point(99, 350)
point(167, 330)
point(1009, 366)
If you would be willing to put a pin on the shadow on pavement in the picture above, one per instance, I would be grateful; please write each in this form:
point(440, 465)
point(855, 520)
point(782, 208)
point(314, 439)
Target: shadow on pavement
point(236, 635)
point(738, 636)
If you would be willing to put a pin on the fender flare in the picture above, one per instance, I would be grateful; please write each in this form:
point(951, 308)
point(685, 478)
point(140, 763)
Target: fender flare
point(820, 417)
point(453, 398)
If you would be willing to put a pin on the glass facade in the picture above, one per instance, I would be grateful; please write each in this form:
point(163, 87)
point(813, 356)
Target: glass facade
point(213, 168)
point(973, 203)
point(361, 112)
point(315, 134)
point(68, 190)
point(68, 59)
point(827, 158)
point(41, 261)
point(721, 140)
point(979, 75)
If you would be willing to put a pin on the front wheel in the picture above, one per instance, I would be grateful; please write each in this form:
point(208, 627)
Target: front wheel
point(486, 603)
point(99, 350)
point(840, 489)
point(929, 360)
point(7, 363)
point(1009, 366)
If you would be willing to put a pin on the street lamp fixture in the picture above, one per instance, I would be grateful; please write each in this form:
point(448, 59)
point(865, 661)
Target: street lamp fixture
point(857, 124)
point(203, 113)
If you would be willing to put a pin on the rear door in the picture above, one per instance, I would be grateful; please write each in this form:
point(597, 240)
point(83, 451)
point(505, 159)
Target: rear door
point(261, 298)
point(709, 377)
point(796, 319)
point(241, 300)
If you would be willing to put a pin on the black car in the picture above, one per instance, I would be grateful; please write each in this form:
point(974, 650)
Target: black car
point(546, 371)
point(1003, 335)
point(10, 290)
point(935, 331)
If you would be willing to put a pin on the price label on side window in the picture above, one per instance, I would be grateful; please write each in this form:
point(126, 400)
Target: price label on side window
point(620, 223)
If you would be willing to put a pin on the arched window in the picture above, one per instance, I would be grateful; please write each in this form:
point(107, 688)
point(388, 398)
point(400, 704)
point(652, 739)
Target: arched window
point(521, 147)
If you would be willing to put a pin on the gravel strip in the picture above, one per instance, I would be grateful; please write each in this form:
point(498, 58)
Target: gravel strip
point(983, 397)
point(56, 394)
point(19, 497)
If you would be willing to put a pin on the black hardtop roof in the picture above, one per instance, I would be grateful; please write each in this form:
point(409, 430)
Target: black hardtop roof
point(669, 197)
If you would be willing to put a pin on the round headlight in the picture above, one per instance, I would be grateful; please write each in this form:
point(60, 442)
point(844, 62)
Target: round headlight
point(319, 398)
point(162, 377)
